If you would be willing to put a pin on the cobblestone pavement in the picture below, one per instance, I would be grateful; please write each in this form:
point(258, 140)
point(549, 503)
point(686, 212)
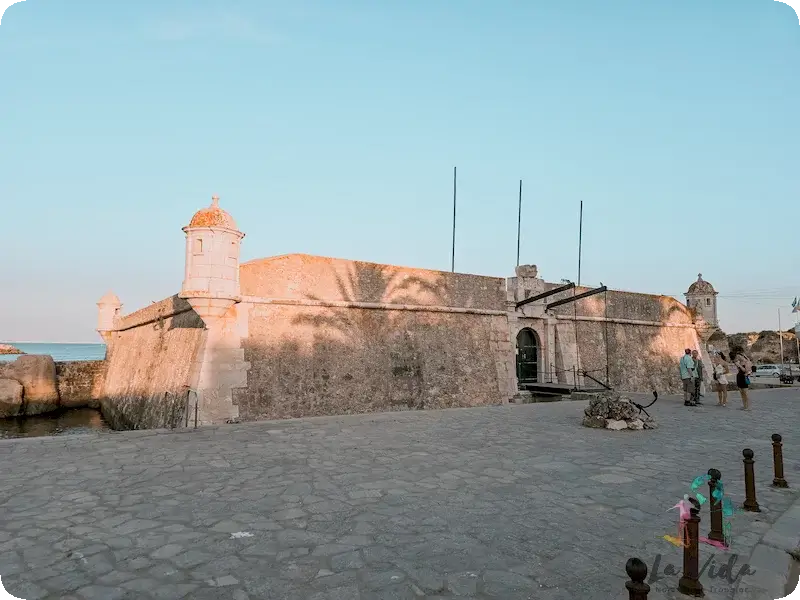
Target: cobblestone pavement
point(504, 502)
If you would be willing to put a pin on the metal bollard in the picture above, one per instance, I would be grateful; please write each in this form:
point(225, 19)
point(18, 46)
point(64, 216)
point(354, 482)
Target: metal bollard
point(750, 503)
point(637, 571)
point(777, 459)
point(715, 507)
point(689, 583)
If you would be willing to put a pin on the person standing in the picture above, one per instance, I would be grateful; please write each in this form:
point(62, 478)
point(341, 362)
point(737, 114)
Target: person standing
point(686, 366)
point(699, 375)
point(743, 369)
point(721, 372)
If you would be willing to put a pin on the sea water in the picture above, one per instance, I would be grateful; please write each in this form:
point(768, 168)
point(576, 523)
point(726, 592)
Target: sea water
point(61, 422)
point(59, 352)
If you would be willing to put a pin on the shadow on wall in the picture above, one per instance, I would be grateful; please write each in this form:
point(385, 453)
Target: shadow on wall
point(149, 363)
point(308, 360)
point(634, 358)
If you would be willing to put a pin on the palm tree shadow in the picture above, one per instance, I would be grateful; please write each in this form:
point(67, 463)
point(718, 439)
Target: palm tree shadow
point(373, 284)
point(388, 337)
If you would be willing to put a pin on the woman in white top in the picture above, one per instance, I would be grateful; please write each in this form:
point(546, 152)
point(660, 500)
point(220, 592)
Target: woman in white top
point(721, 372)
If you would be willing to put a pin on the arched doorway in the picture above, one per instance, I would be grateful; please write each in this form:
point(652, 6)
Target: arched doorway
point(527, 357)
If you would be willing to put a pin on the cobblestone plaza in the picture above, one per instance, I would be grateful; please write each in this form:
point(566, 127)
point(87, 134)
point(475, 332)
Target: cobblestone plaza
point(505, 502)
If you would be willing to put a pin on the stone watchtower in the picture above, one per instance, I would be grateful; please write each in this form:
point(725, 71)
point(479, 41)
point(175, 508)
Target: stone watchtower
point(702, 298)
point(211, 287)
point(108, 311)
point(211, 279)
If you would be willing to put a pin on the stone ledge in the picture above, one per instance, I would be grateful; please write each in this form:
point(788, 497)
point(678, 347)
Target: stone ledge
point(771, 560)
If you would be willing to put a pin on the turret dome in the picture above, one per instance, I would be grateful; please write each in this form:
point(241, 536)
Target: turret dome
point(110, 299)
point(701, 286)
point(213, 216)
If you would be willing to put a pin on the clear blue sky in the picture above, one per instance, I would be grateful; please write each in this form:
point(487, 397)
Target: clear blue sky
point(332, 128)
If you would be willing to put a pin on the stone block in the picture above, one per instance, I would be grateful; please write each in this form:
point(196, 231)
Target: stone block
point(594, 422)
point(10, 398)
point(616, 425)
point(636, 424)
point(527, 271)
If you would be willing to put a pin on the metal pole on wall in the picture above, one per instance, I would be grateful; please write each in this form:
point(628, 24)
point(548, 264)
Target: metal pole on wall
point(519, 219)
point(605, 308)
point(453, 259)
point(575, 290)
point(580, 243)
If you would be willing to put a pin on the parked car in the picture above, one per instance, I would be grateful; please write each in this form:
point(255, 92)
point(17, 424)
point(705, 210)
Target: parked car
point(767, 371)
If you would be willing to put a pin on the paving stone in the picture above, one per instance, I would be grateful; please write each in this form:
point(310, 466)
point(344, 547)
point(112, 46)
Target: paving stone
point(167, 551)
point(25, 589)
point(97, 592)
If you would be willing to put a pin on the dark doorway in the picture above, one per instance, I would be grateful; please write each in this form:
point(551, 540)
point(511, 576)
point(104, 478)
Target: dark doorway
point(527, 357)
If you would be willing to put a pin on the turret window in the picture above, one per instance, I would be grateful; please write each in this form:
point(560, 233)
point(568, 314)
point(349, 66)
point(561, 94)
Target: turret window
point(708, 301)
point(198, 245)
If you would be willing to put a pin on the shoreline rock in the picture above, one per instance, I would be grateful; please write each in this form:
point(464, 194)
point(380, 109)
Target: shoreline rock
point(9, 349)
point(37, 376)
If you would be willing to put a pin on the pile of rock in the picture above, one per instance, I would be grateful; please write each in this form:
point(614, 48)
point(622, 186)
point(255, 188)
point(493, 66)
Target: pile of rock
point(613, 411)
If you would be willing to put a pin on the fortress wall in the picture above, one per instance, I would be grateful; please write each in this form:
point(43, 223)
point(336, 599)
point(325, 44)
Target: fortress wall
point(313, 360)
point(80, 383)
point(300, 276)
point(641, 357)
point(149, 362)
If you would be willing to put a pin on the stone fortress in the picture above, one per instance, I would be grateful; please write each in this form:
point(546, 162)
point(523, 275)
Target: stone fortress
point(298, 335)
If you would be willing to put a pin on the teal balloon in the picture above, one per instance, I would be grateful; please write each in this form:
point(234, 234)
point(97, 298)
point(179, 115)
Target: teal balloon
point(698, 481)
point(702, 499)
point(727, 507)
point(717, 494)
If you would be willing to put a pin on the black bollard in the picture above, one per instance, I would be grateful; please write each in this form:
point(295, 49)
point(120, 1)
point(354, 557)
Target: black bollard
point(750, 503)
point(637, 571)
point(715, 508)
point(777, 459)
point(689, 583)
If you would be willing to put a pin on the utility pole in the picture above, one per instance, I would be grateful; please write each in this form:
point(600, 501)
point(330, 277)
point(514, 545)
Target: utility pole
point(780, 336)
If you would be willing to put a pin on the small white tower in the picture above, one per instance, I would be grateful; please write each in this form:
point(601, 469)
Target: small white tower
point(702, 297)
point(108, 311)
point(211, 280)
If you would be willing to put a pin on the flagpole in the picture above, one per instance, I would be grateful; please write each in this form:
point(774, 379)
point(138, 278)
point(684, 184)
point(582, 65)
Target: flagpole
point(796, 311)
point(780, 336)
point(519, 219)
point(580, 242)
point(453, 259)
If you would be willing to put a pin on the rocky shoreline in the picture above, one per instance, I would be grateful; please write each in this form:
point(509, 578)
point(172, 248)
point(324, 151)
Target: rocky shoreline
point(35, 384)
point(9, 349)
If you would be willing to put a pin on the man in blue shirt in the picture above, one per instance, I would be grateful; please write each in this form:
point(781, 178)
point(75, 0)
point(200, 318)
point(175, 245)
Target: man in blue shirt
point(687, 377)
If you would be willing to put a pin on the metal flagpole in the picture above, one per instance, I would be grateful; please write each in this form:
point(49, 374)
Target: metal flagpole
point(580, 243)
point(574, 291)
point(780, 336)
point(519, 219)
point(453, 259)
